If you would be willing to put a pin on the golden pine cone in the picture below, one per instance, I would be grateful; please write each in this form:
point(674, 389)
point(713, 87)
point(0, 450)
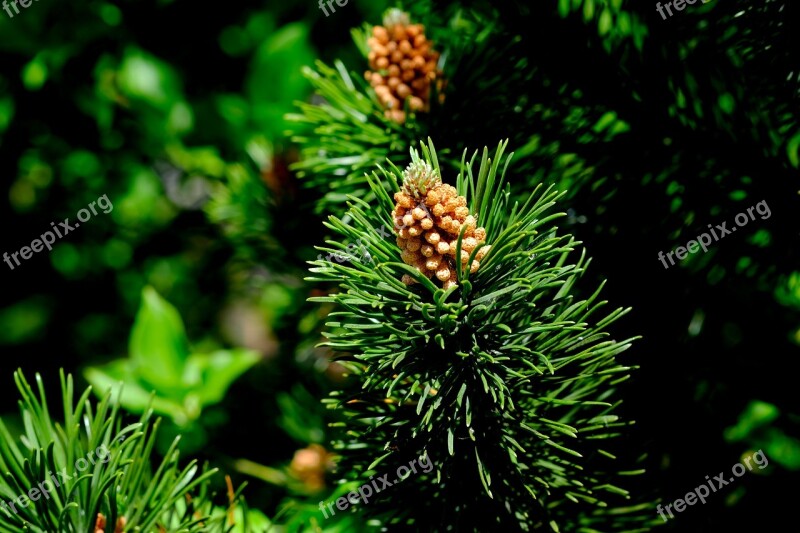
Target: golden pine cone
point(429, 216)
point(403, 65)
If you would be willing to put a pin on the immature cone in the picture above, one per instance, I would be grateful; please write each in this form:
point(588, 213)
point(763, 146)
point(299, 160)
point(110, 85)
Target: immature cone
point(430, 215)
point(403, 65)
point(310, 465)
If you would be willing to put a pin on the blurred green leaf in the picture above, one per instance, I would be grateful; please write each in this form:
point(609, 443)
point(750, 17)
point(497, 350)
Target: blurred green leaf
point(755, 415)
point(218, 370)
point(66, 259)
point(588, 10)
point(144, 203)
point(793, 150)
point(135, 397)
point(144, 77)
point(788, 290)
point(298, 416)
point(34, 74)
point(180, 118)
point(604, 23)
point(6, 112)
point(782, 449)
point(158, 345)
point(727, 103)
point(160, 365)
point(23, 321)
point(245, 521)
point(117, 253)
point(275, 80)
point(111, 14)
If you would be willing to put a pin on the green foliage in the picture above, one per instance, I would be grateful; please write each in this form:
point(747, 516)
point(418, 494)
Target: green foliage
point(345, 136)
point(121, 481)
point(613, 22)
point(304, 517)
point(506, 381)
point(184, 383)
point(759, 426)
point(240, 207)
point(288, 51)
point(111, 105)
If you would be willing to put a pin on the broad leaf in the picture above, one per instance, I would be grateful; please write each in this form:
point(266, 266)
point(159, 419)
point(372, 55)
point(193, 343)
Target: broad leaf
point(218, 371)
point(158, 345)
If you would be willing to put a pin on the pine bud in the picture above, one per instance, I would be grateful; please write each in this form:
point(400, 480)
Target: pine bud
point(380, 34)
point(403, 61)
point(429, 243)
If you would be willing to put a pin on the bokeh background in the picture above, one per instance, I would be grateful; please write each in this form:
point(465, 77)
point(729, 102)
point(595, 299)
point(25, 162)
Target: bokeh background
point(177, 112)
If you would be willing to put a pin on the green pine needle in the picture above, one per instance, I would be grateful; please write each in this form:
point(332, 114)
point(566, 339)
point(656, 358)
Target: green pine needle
point(59, 475)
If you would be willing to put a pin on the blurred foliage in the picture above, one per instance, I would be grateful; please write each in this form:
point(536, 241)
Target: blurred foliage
point(758, 428)
point(124, 487)
point(183, 383)
point(178, 117)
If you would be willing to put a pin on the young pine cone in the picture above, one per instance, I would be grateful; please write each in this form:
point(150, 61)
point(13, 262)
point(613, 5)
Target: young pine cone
point(310, 464)
point(428, 219)
point(403, 65)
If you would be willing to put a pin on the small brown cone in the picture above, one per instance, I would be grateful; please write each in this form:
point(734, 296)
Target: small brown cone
point(310, 465)
point(433, 215)
point(403, 66)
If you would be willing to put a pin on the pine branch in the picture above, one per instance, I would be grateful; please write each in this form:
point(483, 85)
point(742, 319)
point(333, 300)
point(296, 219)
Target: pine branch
point(92, 472)
point(344, 136)
point(505, 379)
point(493, 77)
